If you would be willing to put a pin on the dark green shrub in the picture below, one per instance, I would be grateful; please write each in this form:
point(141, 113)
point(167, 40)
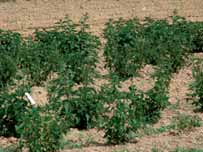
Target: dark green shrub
point(128, 111)
point(7, 70)
point(131, 44)
point(123, 51)
point(66, 48)
point(167, 43)
point(10, 43)
point(197, 31)
point(198, 40)
point(154, 35)
point(155, 102)
point(82, 109)
point(37, 61)
point(41, 131)
point(12, 109)
point(75, 46)
point(117, 128)
point(197, 85)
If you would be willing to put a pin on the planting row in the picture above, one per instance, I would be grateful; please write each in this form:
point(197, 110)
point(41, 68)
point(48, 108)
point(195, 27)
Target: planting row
point(69, 52)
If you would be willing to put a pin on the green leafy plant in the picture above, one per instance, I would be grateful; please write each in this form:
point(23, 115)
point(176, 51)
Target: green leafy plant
point(75, 47)
point(122, 50)
point(7, 70)
point(131, 44)
point(10, 43)
point(37, 61)
point(184, 122)
point(12, 109)
point(128, 111)
point(41, 131)
point(198, 36)
point(167, 44)
point(119, 127)
point(197, 85)
point(82, 108)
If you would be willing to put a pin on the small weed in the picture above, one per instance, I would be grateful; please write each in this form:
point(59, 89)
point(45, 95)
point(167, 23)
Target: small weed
point(197, 84)
point(122, 150)
point(179, 149)
point(155, 150)
point(183, 122)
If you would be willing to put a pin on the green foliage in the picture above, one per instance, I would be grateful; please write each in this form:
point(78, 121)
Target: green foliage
point(83, 109)
point(38, 60)
point(197, 85)
point(131, 44)
point(184, 122)
point(155, 101)
point(122, 50)
point(179, 149)
point(71, 45)
point(7, 70)
point(117, 129)
point(12, 109)
point(166, 44)
point(66, 48)
point(69, 51)
point(41, 131)
point(198, 36)
point(128, 111)
point(10, 43)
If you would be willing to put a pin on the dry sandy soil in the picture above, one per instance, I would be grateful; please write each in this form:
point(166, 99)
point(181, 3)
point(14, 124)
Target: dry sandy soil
point(27, 15)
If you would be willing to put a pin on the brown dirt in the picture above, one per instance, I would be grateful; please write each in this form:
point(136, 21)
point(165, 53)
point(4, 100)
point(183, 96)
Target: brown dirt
point(27, 15)
point(40, 95)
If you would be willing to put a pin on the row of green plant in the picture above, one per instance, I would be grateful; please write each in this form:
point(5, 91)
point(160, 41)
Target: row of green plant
point(66, 48)
point(118, 113)
point(69, 51)
point(132, 44)
point(197, 85)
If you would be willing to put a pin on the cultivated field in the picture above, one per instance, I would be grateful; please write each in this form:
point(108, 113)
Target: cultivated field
point(123, 85)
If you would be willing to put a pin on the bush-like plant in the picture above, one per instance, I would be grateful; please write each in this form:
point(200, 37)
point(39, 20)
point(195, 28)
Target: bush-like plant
point(131, 44)
point(12, 109)
point(117, 129)
point(123, 50)
point(197, 29)
point(10, 43)
point(37, 61)
point(183, 122)
point(74, 45)
point(166, 43)
point(41, 131)
point(82, 109)
point(128, 111)
point(197, 85)
point(7, 70)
